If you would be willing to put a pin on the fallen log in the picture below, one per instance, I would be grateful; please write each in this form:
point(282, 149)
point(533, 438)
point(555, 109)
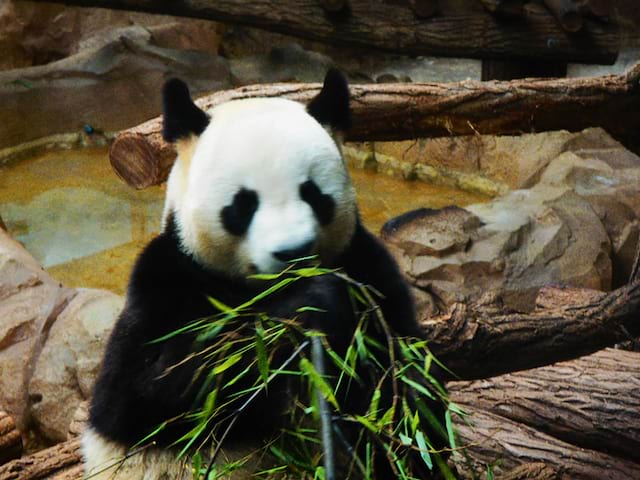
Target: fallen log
point(47, 463)
point(566, 11)
point(597, 8)
point(495, 440)
point(424, 8)
point(10, 439)
point(513, 8)
point(392, 26)
point(532, 471)
point(407, 111)
point(479, 342)
point(591, 402)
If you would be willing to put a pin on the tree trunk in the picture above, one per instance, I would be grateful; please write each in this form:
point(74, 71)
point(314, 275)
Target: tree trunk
point(393, 26)
point(532, 471)
point(495, 440)
point(479, 342)
point(407, 111)
point(10, 438)
point(514, 8)
point(592, 402)
point(566, 11)
point(48, 463)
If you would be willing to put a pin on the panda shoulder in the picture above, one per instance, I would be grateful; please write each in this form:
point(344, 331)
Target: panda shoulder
point(160, 266)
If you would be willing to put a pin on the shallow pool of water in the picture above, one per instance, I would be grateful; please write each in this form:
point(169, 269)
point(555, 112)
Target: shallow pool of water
point(86, 226)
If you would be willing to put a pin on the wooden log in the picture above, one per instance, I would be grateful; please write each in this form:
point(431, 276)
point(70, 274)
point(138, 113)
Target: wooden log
point(406, 111)
point(596, 8)
point(592, 402)
point(424, 8)
point(46, 463)
point(386, 26)
point(532, 471)
point(508, 8)
point(566, 11)
point(333, 6)
point(492, 439)
point(10, 439)
point(479, 342)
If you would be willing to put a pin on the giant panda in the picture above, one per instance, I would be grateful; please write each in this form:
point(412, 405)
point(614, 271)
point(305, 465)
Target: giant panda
point(257, 183)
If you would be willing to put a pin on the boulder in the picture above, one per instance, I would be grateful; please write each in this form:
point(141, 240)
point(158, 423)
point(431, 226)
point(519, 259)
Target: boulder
point(51, 343)
point(37, 33)
point(578, 224)
point(607, 175)
point(30, 301)
point(68, 364)
point(511, 247)
point(122, 65)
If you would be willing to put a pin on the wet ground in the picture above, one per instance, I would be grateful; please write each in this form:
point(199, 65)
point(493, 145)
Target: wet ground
point(86, 226)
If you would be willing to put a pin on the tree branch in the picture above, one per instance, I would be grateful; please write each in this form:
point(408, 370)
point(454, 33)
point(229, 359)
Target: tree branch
point(592, 402)
point(479, 342)
point(391, 26)
point(407, 111)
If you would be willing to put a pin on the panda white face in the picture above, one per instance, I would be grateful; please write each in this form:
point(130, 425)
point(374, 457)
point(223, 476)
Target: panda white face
point(263, 184)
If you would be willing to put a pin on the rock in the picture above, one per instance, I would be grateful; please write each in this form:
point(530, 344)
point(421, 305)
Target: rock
point(289, 63)
point(79, 420)
point(510, 247)
point(36, 33)
point(607, 175)
point(579, 224)
point(436, 233)
point(68, 364)
point(30, 301)
point(487, 163)
point(124, 67)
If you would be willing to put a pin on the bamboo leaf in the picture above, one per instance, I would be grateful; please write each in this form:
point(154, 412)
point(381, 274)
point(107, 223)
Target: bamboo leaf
point(405, 439)
point(450, 432)
point(219, 305)
point(418, 387)
point(228, 363)
point(318, 382)
point(424, 450)
point(261, 352)
point(310, 309)
point(366, 423)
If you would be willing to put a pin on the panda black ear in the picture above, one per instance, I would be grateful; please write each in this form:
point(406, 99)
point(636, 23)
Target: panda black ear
point(181, 117)
point(331, 106)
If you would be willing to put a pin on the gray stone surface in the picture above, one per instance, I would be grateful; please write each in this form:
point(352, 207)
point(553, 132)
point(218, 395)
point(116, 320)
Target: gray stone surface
point(577, 225)
point(68, 364)
point(30, 301)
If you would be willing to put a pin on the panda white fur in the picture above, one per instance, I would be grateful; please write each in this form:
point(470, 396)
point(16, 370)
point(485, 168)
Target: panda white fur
point(257, 182)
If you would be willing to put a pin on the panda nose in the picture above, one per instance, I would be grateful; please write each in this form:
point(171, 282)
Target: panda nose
point(293, 253)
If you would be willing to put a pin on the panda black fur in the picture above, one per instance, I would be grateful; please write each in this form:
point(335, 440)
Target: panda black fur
point(292, 193)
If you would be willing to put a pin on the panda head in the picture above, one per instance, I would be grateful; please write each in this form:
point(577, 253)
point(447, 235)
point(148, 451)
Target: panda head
point(260, 182)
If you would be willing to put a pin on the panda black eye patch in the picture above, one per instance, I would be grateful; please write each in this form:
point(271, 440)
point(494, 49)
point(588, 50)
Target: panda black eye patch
point(322, 204)
point(236, 217)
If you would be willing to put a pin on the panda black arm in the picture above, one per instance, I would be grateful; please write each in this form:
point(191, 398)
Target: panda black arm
point(368, 261)
point(133, 394)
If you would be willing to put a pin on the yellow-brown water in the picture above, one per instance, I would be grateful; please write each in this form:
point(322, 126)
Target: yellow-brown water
point(86, 226)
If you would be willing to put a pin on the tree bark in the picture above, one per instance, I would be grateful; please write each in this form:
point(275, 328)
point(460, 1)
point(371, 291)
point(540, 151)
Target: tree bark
point(495, 440)
point(394, 27)
point(479, 342)
point(514, 8)
point(532, 471)
point(566, 11)
point(592, 402)
point(10, 438)
point(407, 111)
point(61, 459)
point(424, 8)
